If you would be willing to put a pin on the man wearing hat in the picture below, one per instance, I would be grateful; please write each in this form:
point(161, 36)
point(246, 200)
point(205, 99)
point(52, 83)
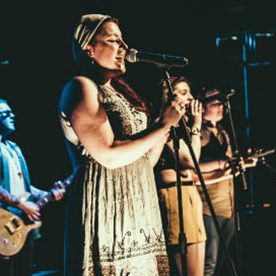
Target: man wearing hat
point(215, 153)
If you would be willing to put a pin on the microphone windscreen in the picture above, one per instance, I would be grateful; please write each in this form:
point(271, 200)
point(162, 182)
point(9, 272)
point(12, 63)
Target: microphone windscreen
point(131, 55)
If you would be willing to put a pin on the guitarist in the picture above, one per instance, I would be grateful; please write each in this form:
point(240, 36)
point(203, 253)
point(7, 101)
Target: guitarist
point(14, 182)
point(215, 153)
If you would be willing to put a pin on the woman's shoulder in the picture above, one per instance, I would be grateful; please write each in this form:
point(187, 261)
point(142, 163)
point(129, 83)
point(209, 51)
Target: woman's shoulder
point(80, 82)
point(76, 90)
point(78, 86)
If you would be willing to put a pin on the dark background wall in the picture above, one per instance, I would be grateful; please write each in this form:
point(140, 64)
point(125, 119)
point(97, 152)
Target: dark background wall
point(35, 37)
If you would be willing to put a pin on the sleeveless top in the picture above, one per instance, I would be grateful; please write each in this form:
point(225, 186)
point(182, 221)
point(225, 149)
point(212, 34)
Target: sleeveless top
point(215, 145)
point(113, 224)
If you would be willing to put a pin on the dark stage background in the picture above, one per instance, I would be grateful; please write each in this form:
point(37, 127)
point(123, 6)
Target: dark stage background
point(228, 43)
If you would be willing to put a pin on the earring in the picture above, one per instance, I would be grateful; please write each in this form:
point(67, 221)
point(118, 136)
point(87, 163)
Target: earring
point(90, 55)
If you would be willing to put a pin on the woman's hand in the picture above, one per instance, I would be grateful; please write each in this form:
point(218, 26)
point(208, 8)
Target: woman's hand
point(172, 112)
point(196, 113)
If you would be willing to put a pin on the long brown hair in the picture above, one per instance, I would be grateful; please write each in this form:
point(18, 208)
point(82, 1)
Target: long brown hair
point(122, 87)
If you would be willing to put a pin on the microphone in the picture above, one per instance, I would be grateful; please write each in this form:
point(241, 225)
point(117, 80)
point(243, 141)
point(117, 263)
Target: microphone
point(159, 60)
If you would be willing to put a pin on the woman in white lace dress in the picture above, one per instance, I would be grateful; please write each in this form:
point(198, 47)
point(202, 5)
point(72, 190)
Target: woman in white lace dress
point(113, 224)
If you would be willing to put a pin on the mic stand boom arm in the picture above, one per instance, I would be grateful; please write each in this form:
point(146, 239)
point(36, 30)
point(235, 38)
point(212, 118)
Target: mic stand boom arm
point(182, 238)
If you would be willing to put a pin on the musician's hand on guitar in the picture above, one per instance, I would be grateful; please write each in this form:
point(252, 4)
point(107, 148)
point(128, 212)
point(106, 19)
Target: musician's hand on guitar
point(58, 191)
point(253, 162)
point(58, 194)
point(251, 159)
point(30, 209)
point(59, 187)
point(249, 163)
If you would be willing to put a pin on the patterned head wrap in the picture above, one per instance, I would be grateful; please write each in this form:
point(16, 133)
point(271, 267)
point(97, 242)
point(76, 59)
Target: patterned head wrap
point(84, 32)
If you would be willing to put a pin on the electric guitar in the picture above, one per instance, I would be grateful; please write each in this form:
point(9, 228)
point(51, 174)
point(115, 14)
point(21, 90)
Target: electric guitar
point(216, 176)
point(14, 229)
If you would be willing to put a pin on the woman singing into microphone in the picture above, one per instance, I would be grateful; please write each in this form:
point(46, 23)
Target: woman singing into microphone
point(167, 188)
point(113, 223)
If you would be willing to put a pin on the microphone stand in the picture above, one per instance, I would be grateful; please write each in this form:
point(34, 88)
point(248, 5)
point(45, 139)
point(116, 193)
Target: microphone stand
point(182, 239)
point(243, 180)
point(235, 141)
point(182, 242)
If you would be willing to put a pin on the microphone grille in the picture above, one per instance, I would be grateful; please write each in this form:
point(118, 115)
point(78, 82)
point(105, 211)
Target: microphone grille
point(131, 55)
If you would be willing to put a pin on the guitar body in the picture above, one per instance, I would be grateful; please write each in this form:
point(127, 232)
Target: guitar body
point(13, 232)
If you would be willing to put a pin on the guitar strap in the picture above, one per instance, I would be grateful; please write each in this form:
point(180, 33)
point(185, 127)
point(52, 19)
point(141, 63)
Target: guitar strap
point(228, 153)
point(4, 171)
point(1, 165)
point(23, 165)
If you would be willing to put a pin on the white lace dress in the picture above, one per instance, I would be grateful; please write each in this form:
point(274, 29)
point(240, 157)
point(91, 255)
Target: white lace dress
point(113, 224)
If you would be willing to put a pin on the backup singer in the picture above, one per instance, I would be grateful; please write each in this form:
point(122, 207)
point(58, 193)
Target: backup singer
point(167, 186)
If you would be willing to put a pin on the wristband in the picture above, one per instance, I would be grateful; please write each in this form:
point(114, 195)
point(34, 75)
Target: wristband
point(195, 131)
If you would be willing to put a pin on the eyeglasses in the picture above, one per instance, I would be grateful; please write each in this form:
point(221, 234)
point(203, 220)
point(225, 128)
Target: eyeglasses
point(6, 113)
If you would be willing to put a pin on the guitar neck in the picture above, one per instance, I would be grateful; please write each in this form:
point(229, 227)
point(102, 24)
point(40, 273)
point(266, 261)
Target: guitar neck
point(261, 153)
point(50, 195)
point(45, 200)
